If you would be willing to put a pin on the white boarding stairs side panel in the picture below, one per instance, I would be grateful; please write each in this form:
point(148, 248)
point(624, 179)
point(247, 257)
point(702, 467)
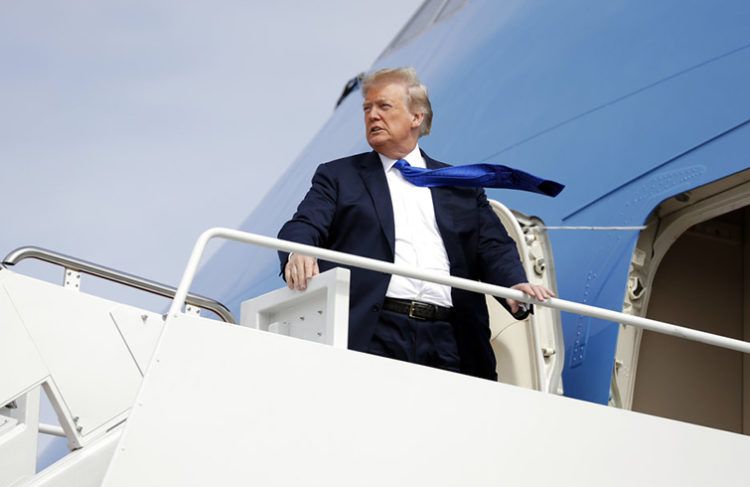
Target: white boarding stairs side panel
point(294, 412)
point(88, 354)
point(319, 314)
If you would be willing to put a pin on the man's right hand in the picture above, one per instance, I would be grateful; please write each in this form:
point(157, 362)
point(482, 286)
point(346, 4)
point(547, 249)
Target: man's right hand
point(300, 269)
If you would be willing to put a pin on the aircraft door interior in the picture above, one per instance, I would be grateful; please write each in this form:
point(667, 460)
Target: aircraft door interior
point(691, 267)
point(530, 353)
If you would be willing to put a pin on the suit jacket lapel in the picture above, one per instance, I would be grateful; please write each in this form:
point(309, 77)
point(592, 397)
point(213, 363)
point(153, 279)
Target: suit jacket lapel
point(371, 171)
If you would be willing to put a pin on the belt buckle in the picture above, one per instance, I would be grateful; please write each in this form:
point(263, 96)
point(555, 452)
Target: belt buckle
point(413, 306)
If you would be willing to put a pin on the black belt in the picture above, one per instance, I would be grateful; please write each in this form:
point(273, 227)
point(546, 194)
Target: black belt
point(418, 310)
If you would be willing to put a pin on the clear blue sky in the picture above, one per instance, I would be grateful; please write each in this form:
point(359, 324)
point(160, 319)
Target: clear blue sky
point(122, 123)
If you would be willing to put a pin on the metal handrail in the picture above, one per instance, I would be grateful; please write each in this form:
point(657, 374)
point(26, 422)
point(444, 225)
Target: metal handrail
point(113, 275)
point(52, 429)
point(456, 282)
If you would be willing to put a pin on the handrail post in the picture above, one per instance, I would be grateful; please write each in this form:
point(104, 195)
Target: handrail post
point(192, 267)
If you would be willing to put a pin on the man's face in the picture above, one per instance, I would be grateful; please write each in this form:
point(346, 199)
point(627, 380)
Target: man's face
point(390, 126)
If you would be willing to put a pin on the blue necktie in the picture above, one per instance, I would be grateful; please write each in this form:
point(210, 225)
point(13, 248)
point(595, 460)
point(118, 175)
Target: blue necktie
point(478, 175)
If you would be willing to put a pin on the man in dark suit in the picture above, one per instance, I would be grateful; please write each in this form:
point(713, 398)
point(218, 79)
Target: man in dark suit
point(363, 205)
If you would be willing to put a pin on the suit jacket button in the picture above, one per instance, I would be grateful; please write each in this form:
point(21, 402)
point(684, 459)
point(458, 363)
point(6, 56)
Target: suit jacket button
point(375, 307)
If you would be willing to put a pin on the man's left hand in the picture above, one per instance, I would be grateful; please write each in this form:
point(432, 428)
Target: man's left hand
point(536, 291)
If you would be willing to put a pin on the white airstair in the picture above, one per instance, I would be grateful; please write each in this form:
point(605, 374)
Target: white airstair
point(145, 399)
point(86, 353)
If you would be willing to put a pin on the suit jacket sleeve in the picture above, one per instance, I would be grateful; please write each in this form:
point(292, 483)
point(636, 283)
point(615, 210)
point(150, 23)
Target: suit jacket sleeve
point(499, 262)
point(312, 221)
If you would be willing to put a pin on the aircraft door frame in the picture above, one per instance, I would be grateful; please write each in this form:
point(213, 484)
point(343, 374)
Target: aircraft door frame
point(531, 352)
point(669, 220)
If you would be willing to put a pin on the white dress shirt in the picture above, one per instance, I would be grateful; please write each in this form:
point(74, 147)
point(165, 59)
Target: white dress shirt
point(418, 241)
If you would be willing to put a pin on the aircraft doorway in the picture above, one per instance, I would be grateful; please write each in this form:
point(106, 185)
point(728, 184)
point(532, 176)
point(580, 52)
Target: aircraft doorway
point(700, 283)
point(691, 267)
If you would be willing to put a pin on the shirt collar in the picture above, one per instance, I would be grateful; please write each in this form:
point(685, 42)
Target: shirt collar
point(414, 158)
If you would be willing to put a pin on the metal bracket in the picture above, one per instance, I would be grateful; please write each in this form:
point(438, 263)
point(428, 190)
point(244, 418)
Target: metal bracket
point(72, 279)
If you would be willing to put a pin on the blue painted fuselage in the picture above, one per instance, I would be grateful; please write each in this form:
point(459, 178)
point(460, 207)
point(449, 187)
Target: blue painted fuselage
point(626, 102)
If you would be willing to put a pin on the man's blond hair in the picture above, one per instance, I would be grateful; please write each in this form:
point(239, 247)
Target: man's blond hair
point(416, 93)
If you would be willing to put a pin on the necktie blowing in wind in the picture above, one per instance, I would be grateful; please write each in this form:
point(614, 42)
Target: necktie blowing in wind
point(478, 175)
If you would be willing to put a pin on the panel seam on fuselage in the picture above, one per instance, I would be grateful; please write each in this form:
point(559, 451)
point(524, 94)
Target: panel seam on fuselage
point(617, 100)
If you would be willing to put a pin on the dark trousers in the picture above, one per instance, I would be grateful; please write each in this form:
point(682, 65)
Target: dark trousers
point(431, 343)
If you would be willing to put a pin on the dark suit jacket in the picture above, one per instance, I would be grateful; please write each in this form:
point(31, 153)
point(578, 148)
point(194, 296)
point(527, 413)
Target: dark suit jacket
point(348, 209)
